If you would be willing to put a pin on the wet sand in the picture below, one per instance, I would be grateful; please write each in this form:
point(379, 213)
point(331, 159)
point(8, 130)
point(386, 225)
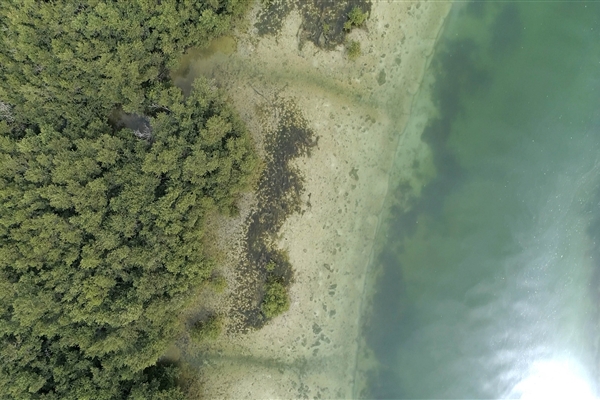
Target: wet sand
point(359, 112)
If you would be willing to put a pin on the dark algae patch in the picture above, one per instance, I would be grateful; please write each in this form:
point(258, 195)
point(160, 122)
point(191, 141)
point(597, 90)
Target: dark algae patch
point(324, 22)
point(457, 74)
point(271, 16)
point(507, 30)
point(279, 191)
point(489, 269)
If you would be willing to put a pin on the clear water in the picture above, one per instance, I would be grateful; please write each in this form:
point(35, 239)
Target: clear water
point(490, 285)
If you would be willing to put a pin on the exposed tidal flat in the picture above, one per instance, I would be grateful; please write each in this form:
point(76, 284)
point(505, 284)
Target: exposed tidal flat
point(485, 276)
point(352, 116)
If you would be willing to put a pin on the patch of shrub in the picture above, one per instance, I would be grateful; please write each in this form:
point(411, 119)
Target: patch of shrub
point(207, 329)
point(271, 266)
point(219, 284)
point(353, 49)
point(356, 18)
point(276, 299)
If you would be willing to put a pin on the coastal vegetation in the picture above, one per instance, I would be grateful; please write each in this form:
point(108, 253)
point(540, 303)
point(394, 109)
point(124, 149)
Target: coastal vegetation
point(107, 174)
point(207, 329)
point(356, 18)
point(324, 23)
point(353, 50)
point(276, 299)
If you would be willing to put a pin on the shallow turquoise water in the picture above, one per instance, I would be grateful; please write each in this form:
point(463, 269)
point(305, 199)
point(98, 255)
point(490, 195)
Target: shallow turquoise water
point(490, 285)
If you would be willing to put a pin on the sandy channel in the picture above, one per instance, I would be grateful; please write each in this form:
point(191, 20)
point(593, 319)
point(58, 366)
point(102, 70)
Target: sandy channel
point(359, 111)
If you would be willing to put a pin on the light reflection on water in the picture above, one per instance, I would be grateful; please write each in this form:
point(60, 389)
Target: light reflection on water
point(556, 379)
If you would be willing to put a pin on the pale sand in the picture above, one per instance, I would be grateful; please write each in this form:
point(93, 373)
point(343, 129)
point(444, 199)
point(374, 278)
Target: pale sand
point(311, 350)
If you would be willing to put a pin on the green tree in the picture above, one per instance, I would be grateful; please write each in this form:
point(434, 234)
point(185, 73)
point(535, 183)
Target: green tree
point(101, 230)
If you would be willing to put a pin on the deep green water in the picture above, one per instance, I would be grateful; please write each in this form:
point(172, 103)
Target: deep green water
point(490, 281)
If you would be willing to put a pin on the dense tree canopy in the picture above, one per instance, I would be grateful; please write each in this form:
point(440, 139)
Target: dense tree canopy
point(97, 53)
point(100, 226)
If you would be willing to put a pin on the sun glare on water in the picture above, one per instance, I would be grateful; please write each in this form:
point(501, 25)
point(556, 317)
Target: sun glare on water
point(553, 380)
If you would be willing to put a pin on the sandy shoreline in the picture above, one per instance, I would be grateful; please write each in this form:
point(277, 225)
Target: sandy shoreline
point(357, 110)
